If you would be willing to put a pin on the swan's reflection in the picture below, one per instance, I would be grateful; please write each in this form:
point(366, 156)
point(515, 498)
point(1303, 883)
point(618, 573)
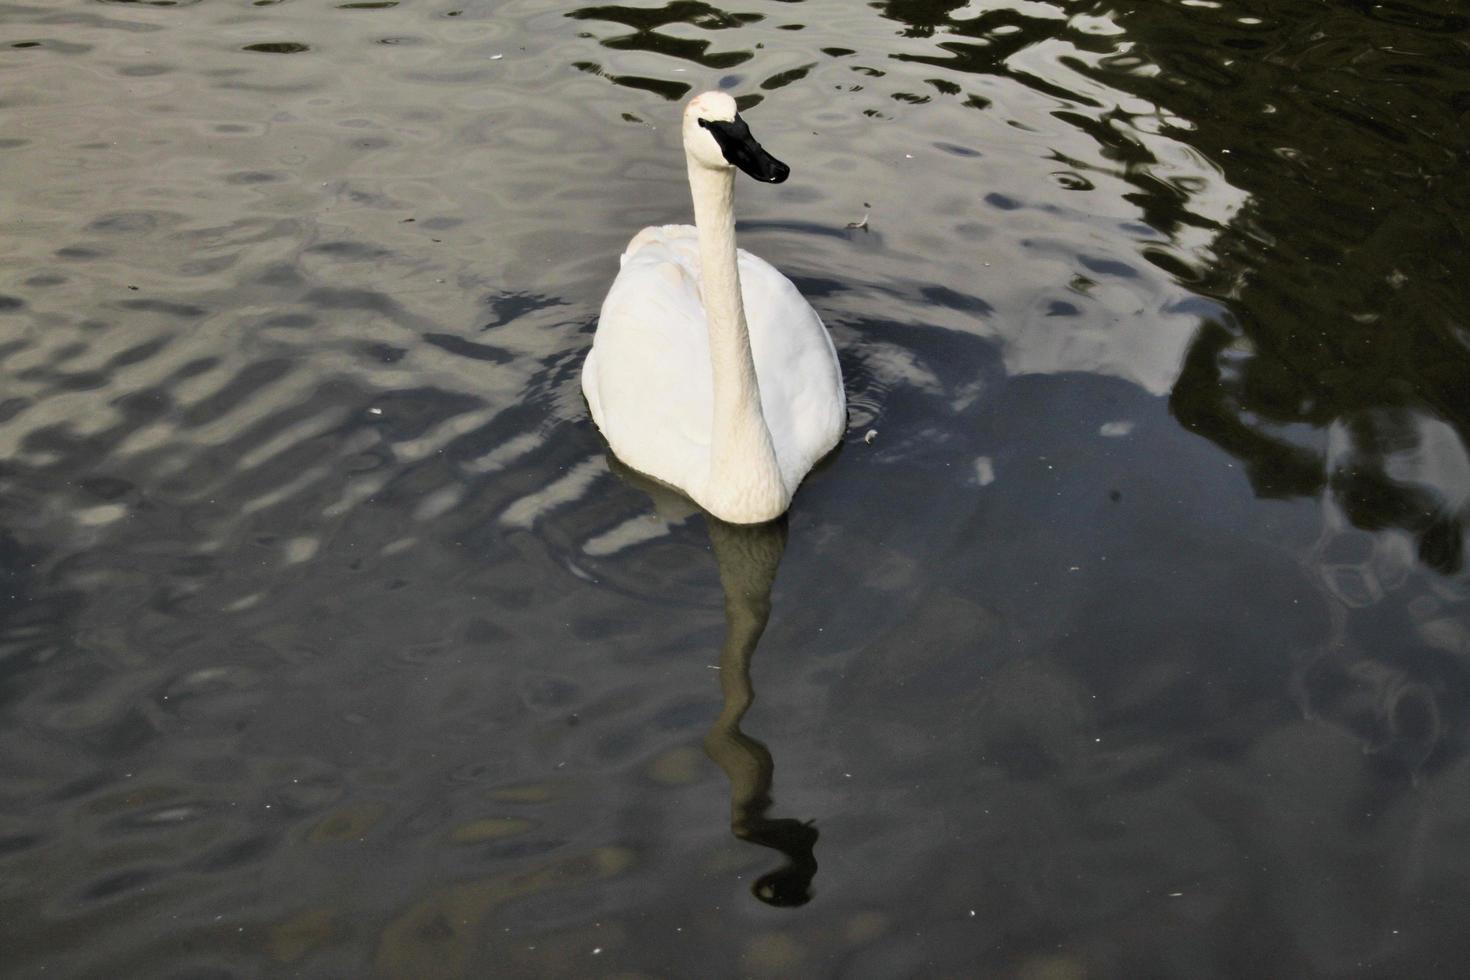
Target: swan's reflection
point(748, 556)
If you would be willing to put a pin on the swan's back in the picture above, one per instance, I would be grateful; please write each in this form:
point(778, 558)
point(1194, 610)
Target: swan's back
point(648, 378)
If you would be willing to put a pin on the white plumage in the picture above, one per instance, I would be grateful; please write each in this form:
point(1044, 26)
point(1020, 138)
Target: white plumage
point(668, 377)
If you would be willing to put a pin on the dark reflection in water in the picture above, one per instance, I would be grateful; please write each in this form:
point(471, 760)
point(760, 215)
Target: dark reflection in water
point(277, 47)
point(1126, 637)
point(748, 558)
point(646, 37)
point(1342, 369)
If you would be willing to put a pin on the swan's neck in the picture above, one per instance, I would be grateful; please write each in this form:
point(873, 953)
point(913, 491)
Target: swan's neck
point(745, 483)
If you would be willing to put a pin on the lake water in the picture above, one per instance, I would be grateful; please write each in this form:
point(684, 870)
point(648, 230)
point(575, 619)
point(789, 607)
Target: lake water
point(1134, 643)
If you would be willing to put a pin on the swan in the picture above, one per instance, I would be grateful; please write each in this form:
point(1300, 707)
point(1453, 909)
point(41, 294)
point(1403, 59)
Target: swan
point(708, 370)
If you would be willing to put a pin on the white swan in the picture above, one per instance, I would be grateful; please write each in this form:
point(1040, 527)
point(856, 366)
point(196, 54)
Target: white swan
point(709, 371)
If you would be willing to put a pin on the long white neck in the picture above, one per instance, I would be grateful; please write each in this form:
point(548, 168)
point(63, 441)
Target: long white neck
point(745, 484)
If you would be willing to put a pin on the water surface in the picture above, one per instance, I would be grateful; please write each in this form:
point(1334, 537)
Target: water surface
point(1134, 642)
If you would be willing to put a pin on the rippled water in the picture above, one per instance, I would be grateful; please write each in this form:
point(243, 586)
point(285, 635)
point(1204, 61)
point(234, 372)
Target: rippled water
point(1133, 644)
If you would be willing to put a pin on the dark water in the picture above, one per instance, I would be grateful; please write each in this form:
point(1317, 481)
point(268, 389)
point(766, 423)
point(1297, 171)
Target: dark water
point(1134, 644)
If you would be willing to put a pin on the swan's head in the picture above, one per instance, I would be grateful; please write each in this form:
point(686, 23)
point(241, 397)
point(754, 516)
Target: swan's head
point(716, 137)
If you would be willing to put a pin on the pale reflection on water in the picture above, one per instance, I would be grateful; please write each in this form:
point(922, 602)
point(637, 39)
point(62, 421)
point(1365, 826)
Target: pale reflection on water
point(1132, 642)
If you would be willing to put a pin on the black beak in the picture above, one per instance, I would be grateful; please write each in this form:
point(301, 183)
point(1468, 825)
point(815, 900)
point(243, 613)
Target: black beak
point(741, 149)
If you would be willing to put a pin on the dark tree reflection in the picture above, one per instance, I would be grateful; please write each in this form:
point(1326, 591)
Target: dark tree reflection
point(1337, 365)
point(1345, 283)
point(1343, 370)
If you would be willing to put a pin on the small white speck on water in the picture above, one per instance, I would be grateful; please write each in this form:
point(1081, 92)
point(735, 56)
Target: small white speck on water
point(870, 435)
point(496, 57)
point(1175, 894)
point(375, 411)
point(596, 950)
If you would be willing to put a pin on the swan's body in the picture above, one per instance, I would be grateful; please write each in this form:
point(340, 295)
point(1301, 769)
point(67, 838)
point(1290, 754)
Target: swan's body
point(709, 371)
